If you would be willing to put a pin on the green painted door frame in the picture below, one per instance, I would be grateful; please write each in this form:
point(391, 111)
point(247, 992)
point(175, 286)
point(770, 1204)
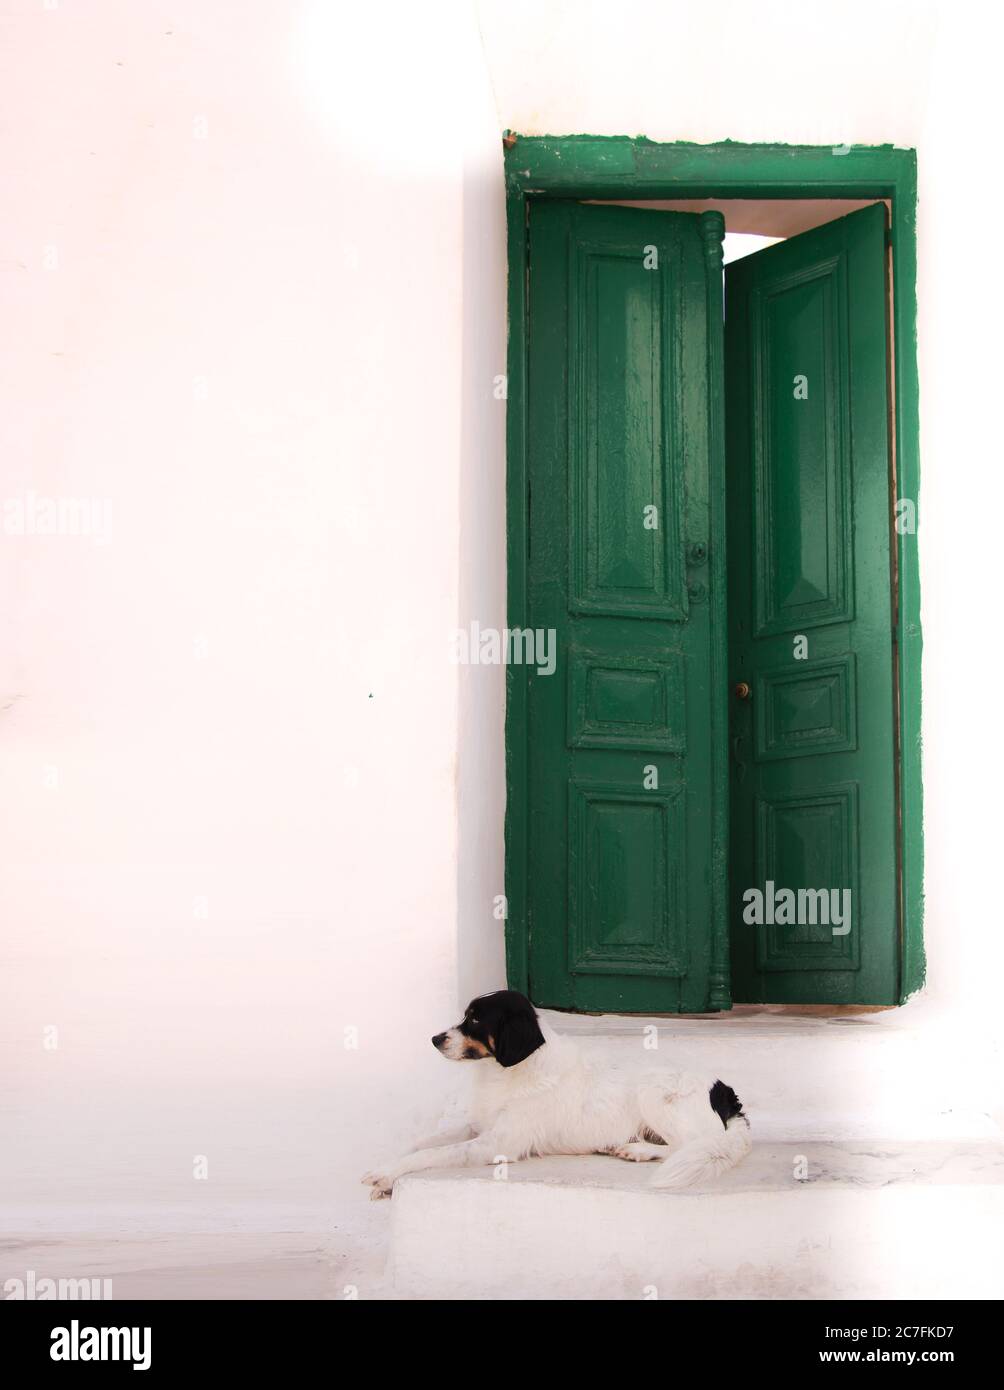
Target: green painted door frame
point(620, 167)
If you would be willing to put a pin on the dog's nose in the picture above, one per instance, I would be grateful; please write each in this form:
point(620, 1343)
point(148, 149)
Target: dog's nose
point(439, 1039)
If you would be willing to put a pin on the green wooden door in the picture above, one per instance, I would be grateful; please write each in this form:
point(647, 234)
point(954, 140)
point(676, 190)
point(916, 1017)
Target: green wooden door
point(810, 620)
point(619, 746)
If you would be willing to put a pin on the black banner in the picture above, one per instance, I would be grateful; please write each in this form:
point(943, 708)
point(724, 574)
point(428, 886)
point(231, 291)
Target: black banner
point(178, 1339)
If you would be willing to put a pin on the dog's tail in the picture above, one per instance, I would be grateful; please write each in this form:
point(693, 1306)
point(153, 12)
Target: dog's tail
point(704, 1159)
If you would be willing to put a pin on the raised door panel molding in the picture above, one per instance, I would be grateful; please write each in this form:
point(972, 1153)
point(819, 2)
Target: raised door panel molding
point(626, 702)
point(626, 880)
point(802, 450)
point(809, 844)
point(625, 437)
point(806, 708)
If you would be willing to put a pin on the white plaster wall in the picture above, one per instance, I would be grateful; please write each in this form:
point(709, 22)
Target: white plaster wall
point(272, 351)
point(267, 343)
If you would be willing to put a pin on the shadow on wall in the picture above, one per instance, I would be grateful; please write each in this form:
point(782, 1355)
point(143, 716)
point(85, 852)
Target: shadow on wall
point(482, 578)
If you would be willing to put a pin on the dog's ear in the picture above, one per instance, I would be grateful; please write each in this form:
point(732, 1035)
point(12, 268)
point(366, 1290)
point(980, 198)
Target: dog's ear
point(517, 1035)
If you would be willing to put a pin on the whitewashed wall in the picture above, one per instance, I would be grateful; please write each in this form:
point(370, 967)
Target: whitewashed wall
point(253, 280)
point(253, 301)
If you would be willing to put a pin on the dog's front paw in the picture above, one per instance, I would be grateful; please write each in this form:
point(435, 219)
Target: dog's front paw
point(381, 1184)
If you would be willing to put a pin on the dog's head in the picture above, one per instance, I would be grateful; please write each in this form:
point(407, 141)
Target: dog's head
point(501, 1025)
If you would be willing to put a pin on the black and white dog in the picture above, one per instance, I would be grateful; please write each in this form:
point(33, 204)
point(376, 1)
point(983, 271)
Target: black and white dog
point(538, 1093)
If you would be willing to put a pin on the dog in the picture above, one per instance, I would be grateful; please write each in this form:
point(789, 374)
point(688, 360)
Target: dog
point(539, 1093)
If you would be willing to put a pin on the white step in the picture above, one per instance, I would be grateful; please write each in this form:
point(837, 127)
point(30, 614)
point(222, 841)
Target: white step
point(804, 1219)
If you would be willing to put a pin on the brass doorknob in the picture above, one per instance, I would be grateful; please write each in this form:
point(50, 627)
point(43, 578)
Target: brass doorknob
point(742, 691)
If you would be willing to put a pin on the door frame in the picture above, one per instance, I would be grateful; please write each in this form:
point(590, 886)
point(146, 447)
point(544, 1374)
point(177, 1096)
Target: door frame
point(589, 166)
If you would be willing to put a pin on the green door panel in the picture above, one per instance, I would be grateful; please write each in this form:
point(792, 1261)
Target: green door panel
point(619, 757)
point(810, 615)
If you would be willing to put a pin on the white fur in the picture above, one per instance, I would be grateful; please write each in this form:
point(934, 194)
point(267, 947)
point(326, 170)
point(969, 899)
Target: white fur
point(568, 1098)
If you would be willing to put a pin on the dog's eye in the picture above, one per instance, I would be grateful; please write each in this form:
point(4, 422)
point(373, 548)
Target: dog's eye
point(474, 1021)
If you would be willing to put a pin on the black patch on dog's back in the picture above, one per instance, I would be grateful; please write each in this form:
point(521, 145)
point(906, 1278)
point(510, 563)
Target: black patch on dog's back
point(725, 1103)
